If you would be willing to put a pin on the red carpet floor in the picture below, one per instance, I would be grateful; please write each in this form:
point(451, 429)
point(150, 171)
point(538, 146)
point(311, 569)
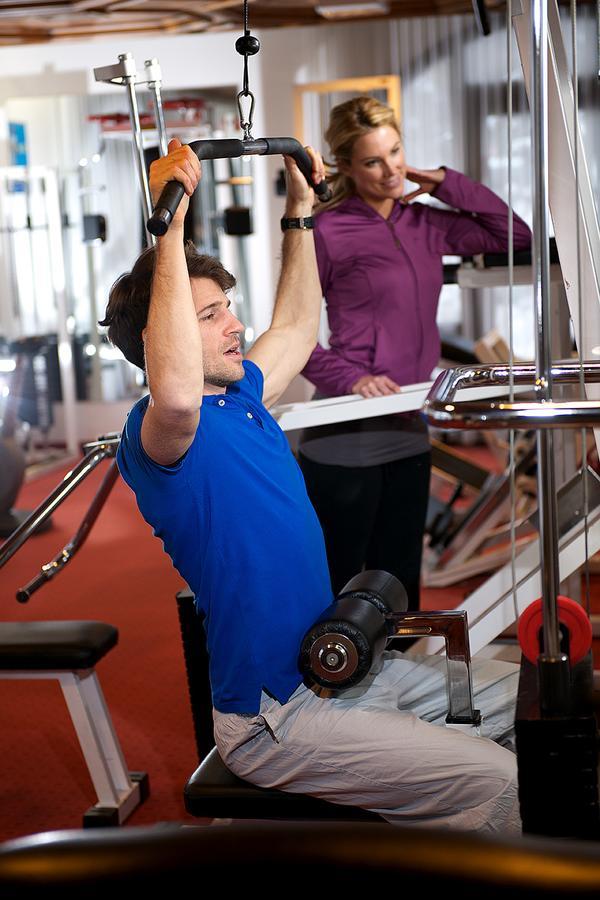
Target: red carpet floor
point(120, 576)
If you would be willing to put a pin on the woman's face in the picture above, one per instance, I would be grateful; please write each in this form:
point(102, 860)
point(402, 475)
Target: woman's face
point(377, 167)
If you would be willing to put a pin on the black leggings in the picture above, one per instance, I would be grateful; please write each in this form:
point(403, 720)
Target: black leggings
point(372, 517)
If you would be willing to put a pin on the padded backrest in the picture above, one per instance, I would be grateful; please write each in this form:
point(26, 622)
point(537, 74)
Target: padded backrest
point(196, 666)
point(344, 857)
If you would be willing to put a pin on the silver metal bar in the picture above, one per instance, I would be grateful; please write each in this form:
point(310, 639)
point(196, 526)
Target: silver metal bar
point(154, 81)
point(561, 156)
point(138, 152)
point(49, 570)
point(53, 500)
point(442, 411)
point(124, 72)
point(543, 384)
point(541, 255)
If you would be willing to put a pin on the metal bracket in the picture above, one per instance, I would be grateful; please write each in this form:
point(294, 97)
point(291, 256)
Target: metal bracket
point(120, 73)
point(453, 627)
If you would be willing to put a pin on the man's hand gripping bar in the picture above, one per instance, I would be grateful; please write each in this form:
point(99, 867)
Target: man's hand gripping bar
point(231, 148)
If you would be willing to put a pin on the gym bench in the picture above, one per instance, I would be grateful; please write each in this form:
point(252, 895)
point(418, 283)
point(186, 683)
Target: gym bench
point(69, 651)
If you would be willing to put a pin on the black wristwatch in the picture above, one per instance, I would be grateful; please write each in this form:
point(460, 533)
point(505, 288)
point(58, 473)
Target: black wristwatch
point(304, 223)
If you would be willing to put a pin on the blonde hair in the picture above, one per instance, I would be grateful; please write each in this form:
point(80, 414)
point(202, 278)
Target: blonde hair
point(347, 122)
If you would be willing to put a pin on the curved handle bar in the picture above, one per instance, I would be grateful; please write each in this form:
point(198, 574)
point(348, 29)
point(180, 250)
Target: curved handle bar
point(231, 148)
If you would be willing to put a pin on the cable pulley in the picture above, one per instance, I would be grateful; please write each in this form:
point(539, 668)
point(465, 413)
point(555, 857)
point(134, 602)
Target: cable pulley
point(230, 148)
point(246, 45)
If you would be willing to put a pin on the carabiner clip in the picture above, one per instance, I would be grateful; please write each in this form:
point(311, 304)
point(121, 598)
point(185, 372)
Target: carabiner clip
point(246, 122)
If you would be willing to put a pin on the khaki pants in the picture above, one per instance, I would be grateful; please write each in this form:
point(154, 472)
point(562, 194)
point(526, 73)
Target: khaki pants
point(383, 745)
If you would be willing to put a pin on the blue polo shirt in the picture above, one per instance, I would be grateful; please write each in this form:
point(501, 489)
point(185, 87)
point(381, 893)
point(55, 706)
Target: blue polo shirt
point(234, 516)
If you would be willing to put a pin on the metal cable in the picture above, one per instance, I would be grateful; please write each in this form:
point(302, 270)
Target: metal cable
point(246, 32)
point(246, 117)
point(579, 295)
point(511, 357)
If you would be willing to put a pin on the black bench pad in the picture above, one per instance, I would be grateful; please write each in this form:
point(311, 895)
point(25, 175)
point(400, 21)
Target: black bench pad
point(54, 645)
point(215, 792)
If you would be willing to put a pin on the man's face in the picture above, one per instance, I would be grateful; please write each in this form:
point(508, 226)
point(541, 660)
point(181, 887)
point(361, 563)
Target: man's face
point(220, 331)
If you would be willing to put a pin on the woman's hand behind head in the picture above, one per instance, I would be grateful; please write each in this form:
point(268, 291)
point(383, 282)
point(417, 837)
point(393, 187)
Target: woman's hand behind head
point(427, 179)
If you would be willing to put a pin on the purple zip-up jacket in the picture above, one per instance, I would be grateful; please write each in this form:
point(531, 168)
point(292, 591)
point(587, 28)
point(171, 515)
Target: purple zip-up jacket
point(382, 278)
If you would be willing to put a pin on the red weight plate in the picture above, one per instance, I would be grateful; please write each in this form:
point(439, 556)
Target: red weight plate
point(570, 614)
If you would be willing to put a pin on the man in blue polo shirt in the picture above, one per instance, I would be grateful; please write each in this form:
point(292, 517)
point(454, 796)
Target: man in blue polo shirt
point(214, 476)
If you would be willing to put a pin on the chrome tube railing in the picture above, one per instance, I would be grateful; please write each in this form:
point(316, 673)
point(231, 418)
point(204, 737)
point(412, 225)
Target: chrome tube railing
point(443, 411)
point(103, 448)
point(64, 556)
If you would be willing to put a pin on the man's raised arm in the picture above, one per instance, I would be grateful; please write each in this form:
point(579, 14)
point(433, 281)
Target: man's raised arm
point(172, 342)
point(283, 350)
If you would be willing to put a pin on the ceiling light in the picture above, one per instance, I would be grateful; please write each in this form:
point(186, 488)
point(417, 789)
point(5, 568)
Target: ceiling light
point(352, 10)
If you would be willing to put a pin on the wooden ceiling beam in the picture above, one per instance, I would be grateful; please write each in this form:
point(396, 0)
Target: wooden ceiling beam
point(36, 20)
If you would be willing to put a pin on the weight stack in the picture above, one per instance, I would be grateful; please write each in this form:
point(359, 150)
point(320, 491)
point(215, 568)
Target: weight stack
point(557, 759)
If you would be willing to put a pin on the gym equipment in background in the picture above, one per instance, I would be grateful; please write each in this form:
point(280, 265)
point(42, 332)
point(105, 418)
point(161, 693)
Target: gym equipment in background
point(341, 648)
point(230, 148)
point(557, 731)
point(69, 652)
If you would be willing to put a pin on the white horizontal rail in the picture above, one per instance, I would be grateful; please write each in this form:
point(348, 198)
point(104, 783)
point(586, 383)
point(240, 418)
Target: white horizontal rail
point(411, 397)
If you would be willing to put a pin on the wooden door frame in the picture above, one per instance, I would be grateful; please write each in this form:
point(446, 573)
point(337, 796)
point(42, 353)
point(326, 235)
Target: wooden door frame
point(388, 83)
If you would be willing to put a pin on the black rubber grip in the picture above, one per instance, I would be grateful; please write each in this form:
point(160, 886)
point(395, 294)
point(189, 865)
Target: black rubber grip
point(292, 147)
point(231, 148)
point(24, 593)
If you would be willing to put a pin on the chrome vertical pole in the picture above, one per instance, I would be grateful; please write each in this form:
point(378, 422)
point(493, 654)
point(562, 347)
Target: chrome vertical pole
point(154, 81)
point(124, 72)
point(138, 143)
point(553, 666)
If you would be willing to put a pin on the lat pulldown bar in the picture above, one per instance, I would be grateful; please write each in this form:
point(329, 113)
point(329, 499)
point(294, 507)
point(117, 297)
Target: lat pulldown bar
point(232, 148)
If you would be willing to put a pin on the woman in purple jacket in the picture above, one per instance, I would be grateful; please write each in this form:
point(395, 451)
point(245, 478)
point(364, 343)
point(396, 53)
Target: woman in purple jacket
point(380, 263)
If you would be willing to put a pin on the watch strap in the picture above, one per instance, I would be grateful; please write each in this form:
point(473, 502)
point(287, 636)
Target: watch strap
point(304, 223)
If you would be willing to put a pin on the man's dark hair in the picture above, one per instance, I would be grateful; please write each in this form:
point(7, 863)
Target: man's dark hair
point(129, 298)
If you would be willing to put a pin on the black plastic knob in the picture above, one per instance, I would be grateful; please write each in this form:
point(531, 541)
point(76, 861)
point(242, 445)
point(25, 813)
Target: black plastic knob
point(247, 45)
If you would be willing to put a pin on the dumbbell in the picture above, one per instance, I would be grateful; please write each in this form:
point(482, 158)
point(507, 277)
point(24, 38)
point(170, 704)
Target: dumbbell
point(339, 649)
